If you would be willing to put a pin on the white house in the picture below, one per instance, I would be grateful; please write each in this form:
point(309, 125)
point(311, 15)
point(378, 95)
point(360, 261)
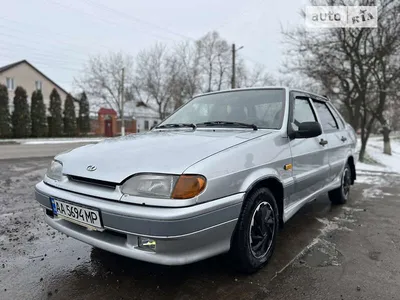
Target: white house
point(145, 117)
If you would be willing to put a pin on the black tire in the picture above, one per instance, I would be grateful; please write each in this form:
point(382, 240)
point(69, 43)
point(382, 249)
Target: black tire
point(341, 194)
point(259, 205)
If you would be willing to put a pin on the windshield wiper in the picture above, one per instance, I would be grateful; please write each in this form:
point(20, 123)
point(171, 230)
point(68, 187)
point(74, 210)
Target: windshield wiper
point(226, 123)
point(177, 125)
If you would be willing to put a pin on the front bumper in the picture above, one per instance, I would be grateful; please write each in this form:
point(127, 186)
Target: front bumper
point(183, 235)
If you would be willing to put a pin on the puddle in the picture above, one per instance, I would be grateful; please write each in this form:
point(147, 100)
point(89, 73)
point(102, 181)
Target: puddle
point(322, 255)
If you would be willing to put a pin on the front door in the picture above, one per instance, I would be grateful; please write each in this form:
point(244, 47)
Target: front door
point(108, 128)
point(310, 157)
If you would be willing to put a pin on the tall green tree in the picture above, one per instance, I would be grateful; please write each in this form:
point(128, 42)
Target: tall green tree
point(83, 120)
point(56, 122)
point(69, 116)
point(21, 119)
point(38, 115)
point(5, 120)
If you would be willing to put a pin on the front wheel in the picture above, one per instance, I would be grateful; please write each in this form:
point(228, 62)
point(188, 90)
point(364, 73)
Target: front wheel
point(257, 229)
point(341, 194)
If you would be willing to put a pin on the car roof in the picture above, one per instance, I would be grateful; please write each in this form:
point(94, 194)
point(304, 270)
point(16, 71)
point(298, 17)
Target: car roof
point(310, 94)
point(241, 89)
point(318, 97)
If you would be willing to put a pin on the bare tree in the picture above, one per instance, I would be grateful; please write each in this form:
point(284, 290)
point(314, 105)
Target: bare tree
point(215, 62)
point(189, 57)
point(102, 78)
point(386, 66)
point(157, 75)
point(299, 81)
point(255, 77)
point(345, 61)
point(393, 111)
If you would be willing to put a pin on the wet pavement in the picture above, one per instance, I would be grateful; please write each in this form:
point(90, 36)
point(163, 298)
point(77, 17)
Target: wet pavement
point(324, 252)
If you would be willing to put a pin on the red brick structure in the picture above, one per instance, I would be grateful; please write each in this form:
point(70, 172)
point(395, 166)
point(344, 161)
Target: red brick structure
point(107, 122)
point(108, 125)
point(130, 126)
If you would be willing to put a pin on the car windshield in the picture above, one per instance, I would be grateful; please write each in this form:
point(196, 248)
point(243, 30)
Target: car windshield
point(263, 108)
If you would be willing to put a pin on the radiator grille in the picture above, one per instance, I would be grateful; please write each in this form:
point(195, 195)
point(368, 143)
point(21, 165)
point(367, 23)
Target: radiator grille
point(91, 181)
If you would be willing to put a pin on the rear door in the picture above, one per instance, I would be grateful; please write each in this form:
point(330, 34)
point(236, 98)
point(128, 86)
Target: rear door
point(310, 160)
point(336, 138)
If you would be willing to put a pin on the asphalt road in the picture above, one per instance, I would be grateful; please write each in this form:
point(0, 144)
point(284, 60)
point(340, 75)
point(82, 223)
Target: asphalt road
point(324, 252)
point(33, 151)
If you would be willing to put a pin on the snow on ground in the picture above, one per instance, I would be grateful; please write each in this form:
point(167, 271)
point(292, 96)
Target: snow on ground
point(384, 163)
point(63, 141)
point(391, 162)
point(41, 141)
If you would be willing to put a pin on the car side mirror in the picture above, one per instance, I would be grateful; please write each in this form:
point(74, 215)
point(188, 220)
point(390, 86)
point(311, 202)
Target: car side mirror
point(308, 130)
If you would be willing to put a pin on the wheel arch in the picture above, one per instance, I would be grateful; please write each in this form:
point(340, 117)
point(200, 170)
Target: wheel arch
point(275, 186)
point(350, 161)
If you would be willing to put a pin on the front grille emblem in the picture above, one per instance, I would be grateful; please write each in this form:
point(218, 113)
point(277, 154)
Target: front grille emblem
point(91, 168)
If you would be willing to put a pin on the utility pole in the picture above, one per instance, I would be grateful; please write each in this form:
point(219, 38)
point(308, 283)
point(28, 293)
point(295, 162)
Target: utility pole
point(122, 104)
point(233, 80)
point(233, 83)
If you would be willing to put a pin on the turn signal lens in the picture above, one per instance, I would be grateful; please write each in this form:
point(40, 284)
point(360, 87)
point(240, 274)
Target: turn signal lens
point(188, 186)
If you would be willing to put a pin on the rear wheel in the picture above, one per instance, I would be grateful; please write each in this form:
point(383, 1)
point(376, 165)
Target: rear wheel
point(341, 194)
point(257, 228)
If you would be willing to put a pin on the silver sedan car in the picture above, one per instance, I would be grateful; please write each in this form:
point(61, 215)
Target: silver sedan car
point(221, 174)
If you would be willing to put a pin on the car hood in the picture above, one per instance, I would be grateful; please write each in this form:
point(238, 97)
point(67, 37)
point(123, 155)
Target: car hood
point(170, 151)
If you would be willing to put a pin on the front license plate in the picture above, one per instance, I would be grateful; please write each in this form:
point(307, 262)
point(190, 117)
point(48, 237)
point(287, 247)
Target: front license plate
point(75, 213)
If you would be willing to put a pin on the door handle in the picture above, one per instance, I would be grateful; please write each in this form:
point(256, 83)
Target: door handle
point(343, 139)
point(323, 142)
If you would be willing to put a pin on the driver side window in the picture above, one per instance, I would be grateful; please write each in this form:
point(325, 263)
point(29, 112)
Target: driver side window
point(302, 112)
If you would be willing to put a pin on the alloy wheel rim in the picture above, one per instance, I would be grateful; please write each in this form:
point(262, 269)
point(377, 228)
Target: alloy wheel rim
point(346, 182)
point(262, 230)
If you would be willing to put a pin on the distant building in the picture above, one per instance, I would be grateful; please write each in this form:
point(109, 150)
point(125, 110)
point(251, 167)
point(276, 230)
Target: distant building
point(23, 73)
point(107, 124)
point(136, 114)
point(145, 118)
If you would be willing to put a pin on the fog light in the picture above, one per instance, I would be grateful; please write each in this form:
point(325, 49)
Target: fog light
point(147, 244)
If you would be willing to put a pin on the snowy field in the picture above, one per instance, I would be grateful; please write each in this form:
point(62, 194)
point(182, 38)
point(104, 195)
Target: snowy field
point(39, 141)
point(378, 162)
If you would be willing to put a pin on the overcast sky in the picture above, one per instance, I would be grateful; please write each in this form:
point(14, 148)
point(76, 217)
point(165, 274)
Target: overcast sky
point(57, 36)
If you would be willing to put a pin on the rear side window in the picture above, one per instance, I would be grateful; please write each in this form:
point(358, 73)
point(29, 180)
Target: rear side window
point(336, 115)
point(302, 112)
point(328, 122)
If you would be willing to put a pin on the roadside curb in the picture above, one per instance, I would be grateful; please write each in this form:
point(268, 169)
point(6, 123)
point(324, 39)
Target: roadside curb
point(21, 159)
point(9, 143)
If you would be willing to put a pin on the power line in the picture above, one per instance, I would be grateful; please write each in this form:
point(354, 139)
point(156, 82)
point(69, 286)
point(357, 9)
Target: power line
point(101, 19)
point(41, 53)
point(51, 41)
point(43, 63)
point(131, 17)
point(36, 56)
point(86, 40)
point(36, 42)
point(108, 22)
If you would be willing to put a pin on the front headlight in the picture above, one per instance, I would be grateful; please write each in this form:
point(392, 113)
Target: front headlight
point(55, 170)
point(164, 186)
